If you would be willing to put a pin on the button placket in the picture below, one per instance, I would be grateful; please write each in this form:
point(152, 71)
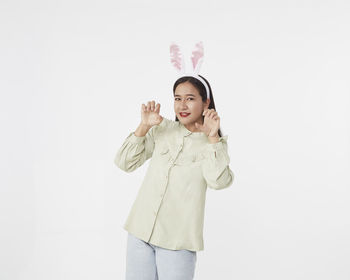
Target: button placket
point(161, 195)
point(172, 160)
point(179, 149)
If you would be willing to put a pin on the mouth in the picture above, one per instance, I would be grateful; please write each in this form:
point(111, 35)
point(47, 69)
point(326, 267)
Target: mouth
point(184, 115)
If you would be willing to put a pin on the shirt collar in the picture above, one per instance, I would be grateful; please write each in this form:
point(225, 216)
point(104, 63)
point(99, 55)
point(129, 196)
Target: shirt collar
point(185, 132)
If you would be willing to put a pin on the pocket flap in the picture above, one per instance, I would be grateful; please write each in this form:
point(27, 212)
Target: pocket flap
point(164, 150)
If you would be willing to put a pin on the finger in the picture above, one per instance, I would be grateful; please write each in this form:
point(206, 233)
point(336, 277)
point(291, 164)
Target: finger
point(210, 114)
point(143, 107)
point(152, 105)
point(157, 108)
point(205, 111)
point(214, 113)
point(148, 106)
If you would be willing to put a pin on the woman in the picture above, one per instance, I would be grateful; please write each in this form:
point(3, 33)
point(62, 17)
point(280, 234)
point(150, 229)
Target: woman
point(165, 224)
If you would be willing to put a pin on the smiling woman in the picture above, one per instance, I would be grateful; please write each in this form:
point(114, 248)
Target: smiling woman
point(188, 155)
point(190, 97)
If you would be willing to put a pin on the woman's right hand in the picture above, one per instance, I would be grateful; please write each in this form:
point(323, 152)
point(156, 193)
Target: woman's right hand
point(150, 114)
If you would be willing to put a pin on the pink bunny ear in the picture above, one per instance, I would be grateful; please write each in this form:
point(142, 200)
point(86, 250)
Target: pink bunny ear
point(197, 57)
point(177, 58)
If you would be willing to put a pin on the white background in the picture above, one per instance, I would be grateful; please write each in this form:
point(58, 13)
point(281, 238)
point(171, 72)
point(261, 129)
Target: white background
point(73, 76)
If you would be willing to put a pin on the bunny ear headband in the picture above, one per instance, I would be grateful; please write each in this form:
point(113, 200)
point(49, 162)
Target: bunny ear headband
point(178, 61)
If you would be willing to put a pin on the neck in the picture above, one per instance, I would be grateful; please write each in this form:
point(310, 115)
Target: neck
point(191, 127)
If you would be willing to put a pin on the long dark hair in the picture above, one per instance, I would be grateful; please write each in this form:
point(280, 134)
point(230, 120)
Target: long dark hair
point(201, 88)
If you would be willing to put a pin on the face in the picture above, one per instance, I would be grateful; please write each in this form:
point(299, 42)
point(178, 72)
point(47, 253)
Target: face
point(188, 100)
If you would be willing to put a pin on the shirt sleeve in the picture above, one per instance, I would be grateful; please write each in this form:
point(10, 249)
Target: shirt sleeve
point(215, 167)
point(135, 150)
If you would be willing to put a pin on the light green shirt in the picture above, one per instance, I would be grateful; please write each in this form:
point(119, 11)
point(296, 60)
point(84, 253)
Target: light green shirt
point(169, 208)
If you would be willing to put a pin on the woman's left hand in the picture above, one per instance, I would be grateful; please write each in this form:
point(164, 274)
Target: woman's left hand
point(211, 123)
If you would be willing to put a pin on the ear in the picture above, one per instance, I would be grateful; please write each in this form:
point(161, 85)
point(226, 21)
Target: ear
point(207, 102)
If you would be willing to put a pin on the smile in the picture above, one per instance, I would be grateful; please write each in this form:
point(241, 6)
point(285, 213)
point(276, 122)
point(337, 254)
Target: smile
point(184, 114)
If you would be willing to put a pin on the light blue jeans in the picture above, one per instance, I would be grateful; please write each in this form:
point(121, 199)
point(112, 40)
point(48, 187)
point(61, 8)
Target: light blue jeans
point(145, 261)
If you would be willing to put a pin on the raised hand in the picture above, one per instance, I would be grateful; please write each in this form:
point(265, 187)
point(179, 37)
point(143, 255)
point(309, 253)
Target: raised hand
point(150, 114)
point(211, 123)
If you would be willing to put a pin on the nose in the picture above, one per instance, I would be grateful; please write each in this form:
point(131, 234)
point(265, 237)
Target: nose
point(183, 104)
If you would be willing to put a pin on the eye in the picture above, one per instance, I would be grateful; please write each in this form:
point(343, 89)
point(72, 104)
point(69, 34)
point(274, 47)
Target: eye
point(190, 98)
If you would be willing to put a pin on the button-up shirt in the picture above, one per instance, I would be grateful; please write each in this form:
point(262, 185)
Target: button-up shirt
point(169, 207)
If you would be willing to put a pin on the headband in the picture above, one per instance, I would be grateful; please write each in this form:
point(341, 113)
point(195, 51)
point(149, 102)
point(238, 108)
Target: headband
point(178, 61)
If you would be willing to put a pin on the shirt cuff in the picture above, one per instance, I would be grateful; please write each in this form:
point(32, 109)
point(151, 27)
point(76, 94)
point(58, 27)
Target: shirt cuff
point(212, 147)
point(132, 138)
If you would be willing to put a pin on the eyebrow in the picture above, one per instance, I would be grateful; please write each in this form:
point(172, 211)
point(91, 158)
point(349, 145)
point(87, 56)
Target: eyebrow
point(189, 94)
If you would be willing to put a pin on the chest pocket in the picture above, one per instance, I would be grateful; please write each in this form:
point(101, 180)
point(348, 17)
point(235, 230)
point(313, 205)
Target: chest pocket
point(163, 153)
